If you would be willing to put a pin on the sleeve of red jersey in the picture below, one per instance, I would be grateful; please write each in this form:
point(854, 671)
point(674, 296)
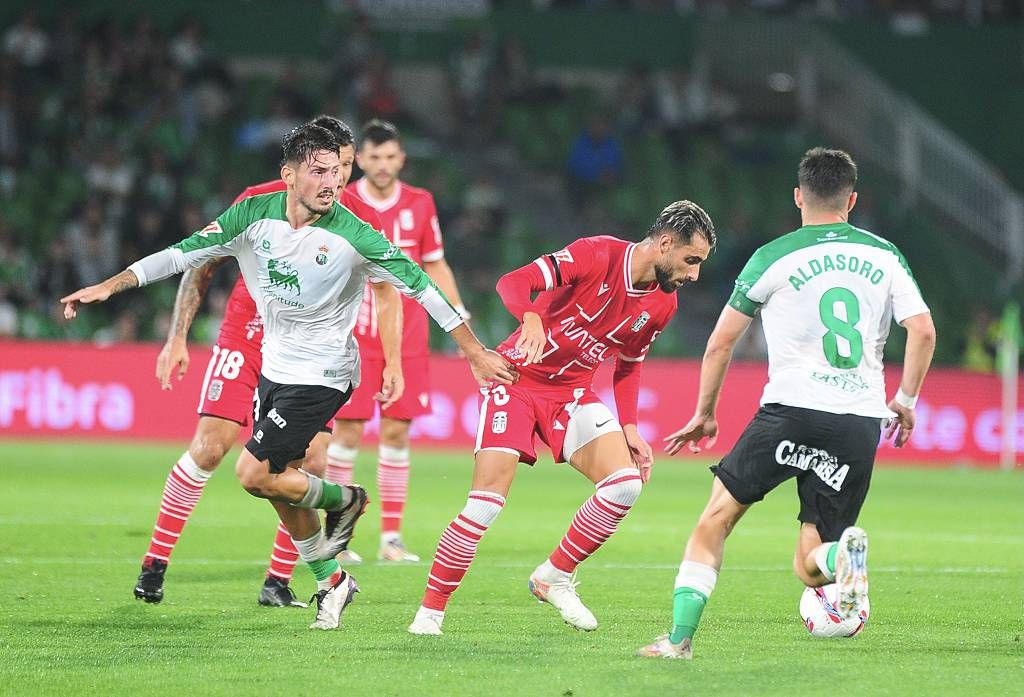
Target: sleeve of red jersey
point(626, 379)
point(431, 246)
point(547, 272)
point(626, 386)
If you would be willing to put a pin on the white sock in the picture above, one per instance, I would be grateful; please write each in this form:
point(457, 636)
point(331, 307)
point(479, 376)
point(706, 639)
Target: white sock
point(550, 571)
point(821, 559)
point(700, 577)
point(193, 470)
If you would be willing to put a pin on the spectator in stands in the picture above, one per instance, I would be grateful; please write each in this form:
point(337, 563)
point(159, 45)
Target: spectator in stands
point(637, 105)
point(596, 161)
point(8, 314)
point(981, 342)
point(95, 244)
point(26, 41)
point(375, 92)
point(471, 72)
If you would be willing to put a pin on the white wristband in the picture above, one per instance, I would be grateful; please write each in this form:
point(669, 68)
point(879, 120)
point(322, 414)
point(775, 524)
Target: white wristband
point(905, 400)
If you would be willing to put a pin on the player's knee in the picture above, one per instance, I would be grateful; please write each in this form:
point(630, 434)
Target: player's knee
point(394, 434)
point(208, 448)
point(622, 487)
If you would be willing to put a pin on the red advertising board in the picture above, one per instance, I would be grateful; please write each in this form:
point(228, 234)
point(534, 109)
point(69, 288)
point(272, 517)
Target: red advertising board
point(81, 390)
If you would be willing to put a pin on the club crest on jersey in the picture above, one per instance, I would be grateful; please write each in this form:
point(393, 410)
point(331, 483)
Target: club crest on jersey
point(640, 321)
point(216, 387)
point(499, 422)
point(321, 258)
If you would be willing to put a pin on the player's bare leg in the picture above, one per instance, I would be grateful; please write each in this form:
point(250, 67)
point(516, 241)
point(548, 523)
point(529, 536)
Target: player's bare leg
point(606, 462)
point(698, 573)
point(295, 509)
point(341, 459)
point(276, 590)
point(393, 486)
point(213, 438)
point(493, 473)
point(814, 562)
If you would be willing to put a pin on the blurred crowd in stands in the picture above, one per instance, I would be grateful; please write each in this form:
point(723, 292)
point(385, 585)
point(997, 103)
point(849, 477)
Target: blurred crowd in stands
point(117, 139)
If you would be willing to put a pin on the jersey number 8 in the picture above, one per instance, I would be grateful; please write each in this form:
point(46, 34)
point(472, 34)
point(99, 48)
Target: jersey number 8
point(839, 327)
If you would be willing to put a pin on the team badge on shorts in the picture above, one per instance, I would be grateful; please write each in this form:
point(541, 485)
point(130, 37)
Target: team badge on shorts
point(640, 321)
point(216, 387)
point(499, 422)
point(321, 258)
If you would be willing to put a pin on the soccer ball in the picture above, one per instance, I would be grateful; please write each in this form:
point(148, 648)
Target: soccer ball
point(822, 619)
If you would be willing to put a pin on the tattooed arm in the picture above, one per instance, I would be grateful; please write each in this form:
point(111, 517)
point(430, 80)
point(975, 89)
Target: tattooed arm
point(99, 292)
point(174, 354)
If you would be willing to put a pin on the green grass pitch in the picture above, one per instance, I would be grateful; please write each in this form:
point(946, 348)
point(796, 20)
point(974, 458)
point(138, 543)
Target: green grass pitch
point(947, 595)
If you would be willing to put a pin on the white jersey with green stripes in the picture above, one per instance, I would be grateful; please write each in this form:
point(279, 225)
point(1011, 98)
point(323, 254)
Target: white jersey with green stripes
point(307, 283)
point(827, 295)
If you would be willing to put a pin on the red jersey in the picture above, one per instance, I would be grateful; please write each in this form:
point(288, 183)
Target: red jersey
point(241, 318)
point(591, 312)
point(409, 220)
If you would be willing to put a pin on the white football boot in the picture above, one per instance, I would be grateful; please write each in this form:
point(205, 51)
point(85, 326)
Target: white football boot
point(393, 551)
point(349, 556)
point(427, 622)
point(852, 572)
point(549, 585)
point(332, 602)
point(664, 648)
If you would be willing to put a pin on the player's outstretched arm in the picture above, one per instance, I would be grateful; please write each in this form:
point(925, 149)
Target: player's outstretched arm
point(99, 292)
point(441, 274)
point(731, 326)
point(917, 358)
point(174, 354)
point(389, 321)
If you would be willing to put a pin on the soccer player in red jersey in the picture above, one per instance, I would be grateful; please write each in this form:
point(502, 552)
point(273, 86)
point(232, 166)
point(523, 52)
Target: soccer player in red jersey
point(410, 222)
point(226, 399)
point(599, 298)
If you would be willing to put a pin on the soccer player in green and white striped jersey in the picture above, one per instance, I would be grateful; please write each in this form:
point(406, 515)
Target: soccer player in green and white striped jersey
point(827, 294)
point(305, 259)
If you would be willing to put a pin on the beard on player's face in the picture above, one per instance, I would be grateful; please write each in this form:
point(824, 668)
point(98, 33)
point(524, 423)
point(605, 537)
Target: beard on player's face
point(667, 281)
point(321, 203)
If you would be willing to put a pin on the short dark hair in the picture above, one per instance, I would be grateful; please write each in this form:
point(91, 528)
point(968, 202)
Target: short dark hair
point(378, 132)
point(338, 128)
point(684, 219)
point(300, 143)
point(827, 176)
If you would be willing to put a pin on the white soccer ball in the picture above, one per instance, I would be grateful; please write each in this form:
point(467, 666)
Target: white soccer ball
point(822, 619)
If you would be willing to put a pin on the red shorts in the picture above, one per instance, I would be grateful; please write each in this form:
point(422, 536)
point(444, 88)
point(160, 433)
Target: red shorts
point(230, 380)
point(565, 419)
point(415, 400)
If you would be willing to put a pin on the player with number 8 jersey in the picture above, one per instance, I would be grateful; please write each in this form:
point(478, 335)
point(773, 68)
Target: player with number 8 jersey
point(599, 298)
point(827, 295)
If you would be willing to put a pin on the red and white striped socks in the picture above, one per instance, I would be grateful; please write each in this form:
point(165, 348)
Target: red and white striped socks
point(340, 463)
point(181, 493)
point(393, 485)
point(457, 547)
point(284, 555)
point(597, 519)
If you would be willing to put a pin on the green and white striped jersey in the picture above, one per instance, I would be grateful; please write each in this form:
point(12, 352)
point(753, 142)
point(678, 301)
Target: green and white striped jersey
point(307, 283)
point(827, 295)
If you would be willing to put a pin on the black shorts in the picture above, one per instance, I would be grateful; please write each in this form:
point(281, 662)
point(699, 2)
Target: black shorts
point(831, 456)
point(287, 417)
